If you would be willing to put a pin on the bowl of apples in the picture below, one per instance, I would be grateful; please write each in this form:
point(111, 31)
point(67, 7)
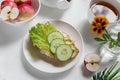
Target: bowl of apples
point(18, 11)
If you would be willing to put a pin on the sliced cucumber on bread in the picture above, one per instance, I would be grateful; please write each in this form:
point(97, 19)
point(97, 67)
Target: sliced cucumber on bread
point(59, 46)
point(64, 52)
point(55, 35)
point(55, 43)
point(54, 46)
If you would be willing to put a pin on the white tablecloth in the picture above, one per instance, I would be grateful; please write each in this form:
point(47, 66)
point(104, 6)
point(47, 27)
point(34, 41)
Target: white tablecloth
point(12, 63)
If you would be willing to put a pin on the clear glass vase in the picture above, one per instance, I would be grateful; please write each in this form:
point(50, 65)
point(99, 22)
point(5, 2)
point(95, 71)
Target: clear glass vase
point(107, 54)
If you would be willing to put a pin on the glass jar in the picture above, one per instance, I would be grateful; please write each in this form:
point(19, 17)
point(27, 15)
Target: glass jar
point(107, 54)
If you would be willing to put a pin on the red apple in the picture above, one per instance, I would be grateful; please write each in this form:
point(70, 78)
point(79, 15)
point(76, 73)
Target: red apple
point(9, 11)
point(8, 3)
point(26, 11)
point(19, 2)
point(92, 62)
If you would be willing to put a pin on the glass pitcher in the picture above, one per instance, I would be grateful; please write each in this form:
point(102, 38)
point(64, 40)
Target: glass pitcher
point(107, 54)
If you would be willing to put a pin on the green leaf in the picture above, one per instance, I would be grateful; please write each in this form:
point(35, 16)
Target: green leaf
point(94, 77)
point(111, 44)
point(109, 71)
point(39, 34)
point(99, 39)
point(108, 74)
point(116, 78)
point(103, 42)
point(114, 74)
point(118, 36)
point(118, 43)
point(99, 76)
point(103, 73)
point(106, 37)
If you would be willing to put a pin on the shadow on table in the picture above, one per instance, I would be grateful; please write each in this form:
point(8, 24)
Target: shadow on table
point(89, 42)
point(42, 75)
point(87, 36)
point(11, 33)
point(85, 72)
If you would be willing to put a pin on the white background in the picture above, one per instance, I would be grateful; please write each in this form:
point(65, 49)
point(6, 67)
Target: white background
point(12, 63)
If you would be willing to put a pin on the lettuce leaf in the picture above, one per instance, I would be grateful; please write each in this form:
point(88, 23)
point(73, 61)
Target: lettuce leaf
point(39, 34)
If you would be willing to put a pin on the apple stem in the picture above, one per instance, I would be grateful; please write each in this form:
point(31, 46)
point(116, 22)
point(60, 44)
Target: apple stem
point(93, 62)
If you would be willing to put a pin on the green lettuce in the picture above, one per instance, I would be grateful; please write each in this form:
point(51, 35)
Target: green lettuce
point(39, 34)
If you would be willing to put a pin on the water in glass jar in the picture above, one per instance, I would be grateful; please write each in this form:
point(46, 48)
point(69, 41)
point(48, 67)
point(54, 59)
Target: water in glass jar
point(109, 54)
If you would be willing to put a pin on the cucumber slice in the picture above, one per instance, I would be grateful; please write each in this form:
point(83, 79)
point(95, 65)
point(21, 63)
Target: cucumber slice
point(55, 43)
point(54, 35)
point(64, 52)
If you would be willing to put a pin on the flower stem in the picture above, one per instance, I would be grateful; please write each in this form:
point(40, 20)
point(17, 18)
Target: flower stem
point(108, 34)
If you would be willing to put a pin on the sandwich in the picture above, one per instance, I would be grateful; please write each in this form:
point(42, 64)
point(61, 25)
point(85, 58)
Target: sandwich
point(55, 47)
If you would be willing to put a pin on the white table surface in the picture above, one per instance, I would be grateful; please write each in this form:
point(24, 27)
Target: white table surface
point(12, 63)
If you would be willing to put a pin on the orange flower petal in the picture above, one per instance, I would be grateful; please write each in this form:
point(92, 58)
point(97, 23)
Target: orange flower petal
point(103, 23)
point(92, 31)
point(99, 32)
point(107, 22)
point(98, 18)
point(93, 24)
point(98, 25)
point(103, 28)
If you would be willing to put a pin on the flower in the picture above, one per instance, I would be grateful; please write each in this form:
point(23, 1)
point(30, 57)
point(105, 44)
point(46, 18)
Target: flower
point(98, 25)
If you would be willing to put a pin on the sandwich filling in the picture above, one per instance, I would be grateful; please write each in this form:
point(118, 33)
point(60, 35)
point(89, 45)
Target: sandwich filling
point(53, 43)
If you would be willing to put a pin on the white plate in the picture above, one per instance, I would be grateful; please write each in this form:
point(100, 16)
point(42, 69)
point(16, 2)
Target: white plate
point(32, 55)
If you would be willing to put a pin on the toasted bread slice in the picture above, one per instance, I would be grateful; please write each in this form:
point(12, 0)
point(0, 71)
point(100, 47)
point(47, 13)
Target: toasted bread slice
point(51, 58)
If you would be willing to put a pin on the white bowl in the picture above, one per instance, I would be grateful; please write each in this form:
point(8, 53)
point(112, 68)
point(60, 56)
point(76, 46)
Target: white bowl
point(36, 4)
